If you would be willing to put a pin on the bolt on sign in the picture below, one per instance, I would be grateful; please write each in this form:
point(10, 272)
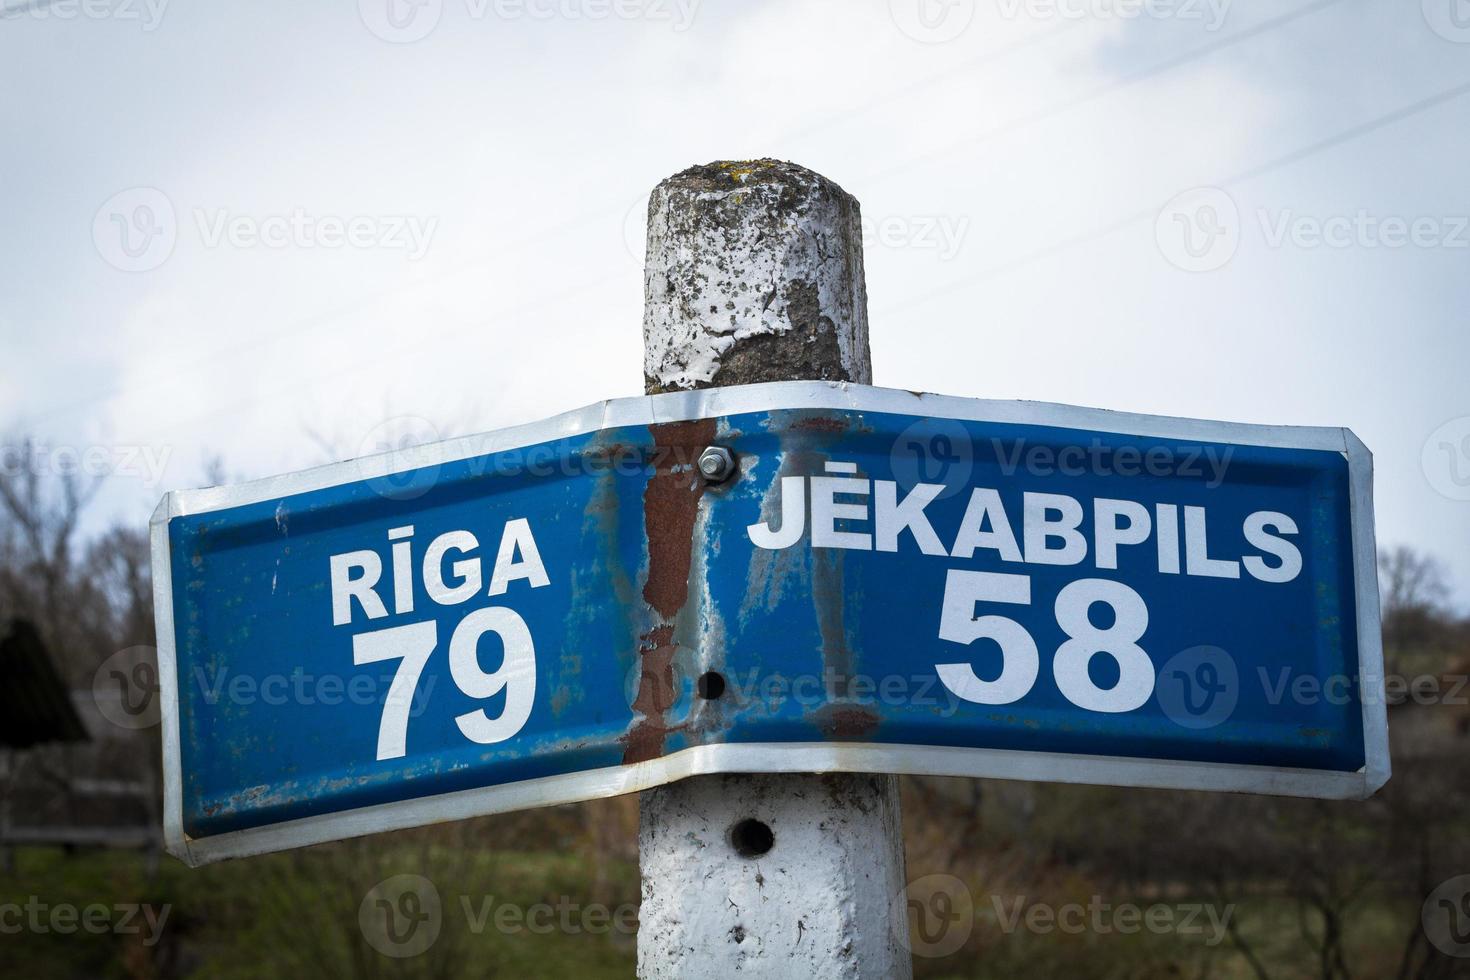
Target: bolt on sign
point(801, 576)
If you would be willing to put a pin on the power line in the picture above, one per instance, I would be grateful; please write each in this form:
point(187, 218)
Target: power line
point(413, 345)
point(923, 84)
point(1413, 109)
point(1124, 81)
point(1030, 258)
point(296, 328)
point(1259, 170)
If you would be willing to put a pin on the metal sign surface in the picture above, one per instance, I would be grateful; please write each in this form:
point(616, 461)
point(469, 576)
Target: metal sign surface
point(891, 582)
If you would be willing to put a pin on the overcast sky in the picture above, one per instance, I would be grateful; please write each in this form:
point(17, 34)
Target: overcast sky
point(269, 230)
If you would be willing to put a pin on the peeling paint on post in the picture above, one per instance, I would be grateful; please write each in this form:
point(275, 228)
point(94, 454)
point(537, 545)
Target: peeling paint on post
point(755, 273)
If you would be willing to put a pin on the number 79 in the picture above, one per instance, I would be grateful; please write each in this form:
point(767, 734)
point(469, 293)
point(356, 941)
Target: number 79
point(413, 644)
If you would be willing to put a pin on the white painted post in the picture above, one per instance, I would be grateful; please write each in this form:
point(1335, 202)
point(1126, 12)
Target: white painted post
point(755, 273)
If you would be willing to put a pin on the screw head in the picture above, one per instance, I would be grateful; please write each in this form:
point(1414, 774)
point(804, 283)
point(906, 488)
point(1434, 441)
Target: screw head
point(716, 464)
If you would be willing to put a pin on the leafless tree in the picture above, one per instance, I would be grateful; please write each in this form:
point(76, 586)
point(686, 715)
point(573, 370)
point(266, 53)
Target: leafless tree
point(41, 513)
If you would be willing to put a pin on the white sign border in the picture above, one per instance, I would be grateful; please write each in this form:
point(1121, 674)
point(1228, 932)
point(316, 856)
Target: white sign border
point(781, 757)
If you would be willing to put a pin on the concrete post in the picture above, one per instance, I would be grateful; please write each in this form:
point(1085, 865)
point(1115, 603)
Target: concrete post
point(755, 273)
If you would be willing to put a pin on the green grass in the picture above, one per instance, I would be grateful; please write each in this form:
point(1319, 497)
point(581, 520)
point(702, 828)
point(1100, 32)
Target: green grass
point(298, 914)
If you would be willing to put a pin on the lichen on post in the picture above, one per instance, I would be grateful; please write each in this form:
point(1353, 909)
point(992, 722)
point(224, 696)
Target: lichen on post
point(754, 273)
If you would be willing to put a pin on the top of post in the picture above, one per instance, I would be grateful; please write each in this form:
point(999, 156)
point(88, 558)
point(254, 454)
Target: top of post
point(754, 273)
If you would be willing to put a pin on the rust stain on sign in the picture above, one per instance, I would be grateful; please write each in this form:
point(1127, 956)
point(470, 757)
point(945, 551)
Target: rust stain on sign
point(844, 721)
point(670, 508)
point(670, 512)
point(654, 698)
point(820, 423)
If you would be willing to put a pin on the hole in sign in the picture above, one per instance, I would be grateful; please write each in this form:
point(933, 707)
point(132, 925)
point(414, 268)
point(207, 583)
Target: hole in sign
point(711, 685)
point(751, 838)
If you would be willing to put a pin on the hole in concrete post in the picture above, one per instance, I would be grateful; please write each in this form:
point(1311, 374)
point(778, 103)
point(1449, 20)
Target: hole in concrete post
point(710, 685)
point(751, 838)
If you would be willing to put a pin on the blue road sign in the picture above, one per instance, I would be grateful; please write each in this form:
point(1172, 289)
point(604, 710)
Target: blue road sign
point(888, 582)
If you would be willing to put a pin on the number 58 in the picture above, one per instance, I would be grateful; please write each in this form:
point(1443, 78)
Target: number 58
point(1019, 658)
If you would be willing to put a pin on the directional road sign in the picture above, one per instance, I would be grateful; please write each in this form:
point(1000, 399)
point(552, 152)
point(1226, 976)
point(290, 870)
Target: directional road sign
point(853, 579)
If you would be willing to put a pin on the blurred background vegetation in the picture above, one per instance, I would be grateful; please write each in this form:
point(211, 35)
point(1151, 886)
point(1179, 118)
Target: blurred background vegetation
point(1318, 889)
